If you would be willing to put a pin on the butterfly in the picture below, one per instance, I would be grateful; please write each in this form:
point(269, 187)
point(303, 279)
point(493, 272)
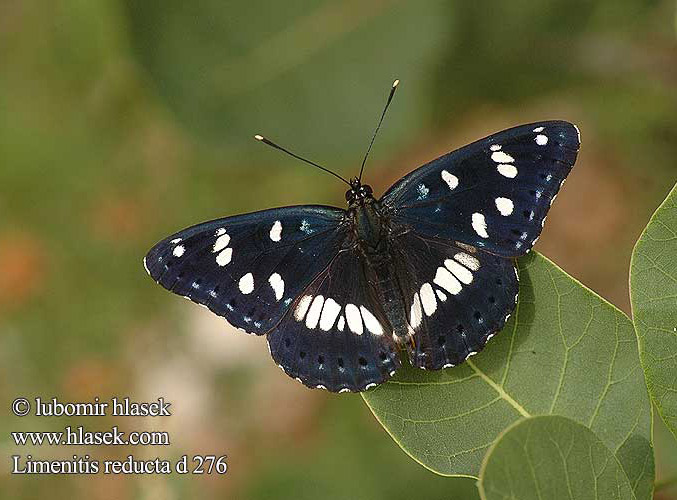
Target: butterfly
point(429, 267)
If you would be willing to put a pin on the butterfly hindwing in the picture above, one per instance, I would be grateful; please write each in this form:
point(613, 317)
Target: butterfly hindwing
point(494, 193)
point(335, 335)
point(457, 297)
point(249, 268)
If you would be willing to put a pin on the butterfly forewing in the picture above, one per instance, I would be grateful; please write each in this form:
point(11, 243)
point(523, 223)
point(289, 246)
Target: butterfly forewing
point(494, 193)
point(250, 268)
point(336, 335)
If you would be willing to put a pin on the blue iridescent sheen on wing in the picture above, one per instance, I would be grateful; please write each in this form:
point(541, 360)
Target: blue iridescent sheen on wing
point(494, 193)
point(249, 268)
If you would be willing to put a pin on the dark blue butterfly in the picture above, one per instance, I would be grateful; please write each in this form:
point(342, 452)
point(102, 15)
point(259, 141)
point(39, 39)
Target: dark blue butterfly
point(428, 267)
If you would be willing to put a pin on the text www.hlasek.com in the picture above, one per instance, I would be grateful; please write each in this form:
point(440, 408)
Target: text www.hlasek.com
point(80, 437)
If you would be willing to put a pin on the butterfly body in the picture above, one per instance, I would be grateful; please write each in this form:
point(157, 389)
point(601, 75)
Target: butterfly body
point(428, 267)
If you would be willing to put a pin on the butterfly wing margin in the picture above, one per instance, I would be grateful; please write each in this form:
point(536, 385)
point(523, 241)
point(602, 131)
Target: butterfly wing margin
point(249, 268)
point(493, 194)
point(457, 298)
point(336, 336)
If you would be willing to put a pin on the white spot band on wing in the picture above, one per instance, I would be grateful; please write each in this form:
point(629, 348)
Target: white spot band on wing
point(314, 313)
point(505, 206)
point(277, 284)
point(416, 315)
point(479, 224)
point(246, 284)
point(468, 261)
point(302, 307)
point(221, 243)
point(509, 171)
point(428, 299)
point(224, 256)
point(276, 231)
point(450, 179)
point(501, 157)
point(444, 279)
point(329, 313)
point(371, 322)
point(354, 319)
point(463, 275)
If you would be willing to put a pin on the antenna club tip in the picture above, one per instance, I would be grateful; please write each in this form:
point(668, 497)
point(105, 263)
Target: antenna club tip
point(258, 137)
point(396, 83)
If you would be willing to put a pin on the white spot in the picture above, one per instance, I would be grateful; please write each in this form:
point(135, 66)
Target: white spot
point(422, 191)
point(302, 307)
point(495, 147)
point(371, 322)
point(428, 299)
point(479, 224)
point(369, 386)
point(212, 294)
point(509, 171)
point(539, 129)
point(465, 247)
point(276, 231)
point(179, 250)
point(444, 279)
point(145, 266)
point(541, 139)
point(224, 256)
point(505, 206)
point(463, 275)
point(175, 241)
point(221, 243)
point(330, 311)
point(314, 312)
point(305, 227)
point(345, 389)
point(468, 261)
point(416, 314)
point(354, 319)
point(320, 386)
point(220, 231)
point(470, 354)
point(277, 283)
point(392, 372)
point(450, 179)
point(246, 284)
point(441, 295)
point(341, 323)
point(501, 157)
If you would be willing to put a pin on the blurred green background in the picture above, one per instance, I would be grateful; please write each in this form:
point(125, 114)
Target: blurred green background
point(123, 121)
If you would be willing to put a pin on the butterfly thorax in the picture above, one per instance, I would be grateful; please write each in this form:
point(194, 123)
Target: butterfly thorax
point(369, 225)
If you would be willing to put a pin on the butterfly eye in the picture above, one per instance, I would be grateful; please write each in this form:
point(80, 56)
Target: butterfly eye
point(350, 195)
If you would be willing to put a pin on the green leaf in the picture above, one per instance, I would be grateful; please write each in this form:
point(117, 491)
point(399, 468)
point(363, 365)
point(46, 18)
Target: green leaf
point(653, 294)
point(565, 351)
point(555, 458)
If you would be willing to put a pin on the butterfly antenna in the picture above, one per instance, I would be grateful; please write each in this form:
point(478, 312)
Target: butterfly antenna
point(373, 138)
point(277, 146)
